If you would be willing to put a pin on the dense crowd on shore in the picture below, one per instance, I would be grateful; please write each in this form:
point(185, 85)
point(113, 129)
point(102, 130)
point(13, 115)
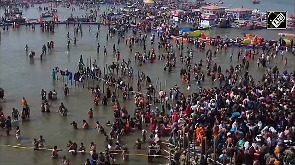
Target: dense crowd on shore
point(240, 121)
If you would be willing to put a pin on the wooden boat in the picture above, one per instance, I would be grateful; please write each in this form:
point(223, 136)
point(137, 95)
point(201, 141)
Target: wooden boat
point(286, 35)
point(255, 1)
point(47, 14)
point(14, 11)
point(13, 19)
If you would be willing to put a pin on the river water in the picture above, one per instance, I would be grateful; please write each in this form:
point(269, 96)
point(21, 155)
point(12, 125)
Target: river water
point(22, 77)
point(265, 5)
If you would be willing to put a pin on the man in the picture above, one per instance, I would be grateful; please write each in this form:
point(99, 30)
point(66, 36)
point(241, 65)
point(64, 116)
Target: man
point(8, 125)
point(66, 90)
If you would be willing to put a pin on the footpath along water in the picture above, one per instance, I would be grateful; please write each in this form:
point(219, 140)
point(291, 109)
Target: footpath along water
point(22, 77)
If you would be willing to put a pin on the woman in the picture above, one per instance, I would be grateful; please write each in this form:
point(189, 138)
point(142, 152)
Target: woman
point(85, 125)
point(92, 148)
point(90, 113)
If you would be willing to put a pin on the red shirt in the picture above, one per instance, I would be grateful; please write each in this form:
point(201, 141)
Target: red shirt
point(175, 117)
point(153, 127)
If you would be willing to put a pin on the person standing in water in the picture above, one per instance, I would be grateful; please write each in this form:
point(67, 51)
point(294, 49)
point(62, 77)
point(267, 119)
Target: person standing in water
point(75, 125)
point(36, 144)
point(82, 149)
point(81, 61)
point(98, 47)
point(41, 142)
point(90, 113)
point(66, 90)
point(26, 48)
point(85, 125)
point(53, 74)
point(8, 125)
point(17, 133)
point(15, 114)
point(75, 40)
point(24, 102)
point(54, 153)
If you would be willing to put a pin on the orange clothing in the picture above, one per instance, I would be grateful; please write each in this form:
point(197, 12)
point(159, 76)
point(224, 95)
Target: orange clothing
point(215, 131)
point(199, 134)
point(24, 102)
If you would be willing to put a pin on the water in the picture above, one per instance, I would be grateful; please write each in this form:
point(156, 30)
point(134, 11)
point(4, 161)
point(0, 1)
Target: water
point(265, 5)
point(22, 77)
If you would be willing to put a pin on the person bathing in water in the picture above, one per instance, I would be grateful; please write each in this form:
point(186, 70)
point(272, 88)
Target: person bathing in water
point(15, 114)
point(85, 125)
point(62, 109)
point(54, 153)
point(75, 125)
point(90, 113)
point(17, 133)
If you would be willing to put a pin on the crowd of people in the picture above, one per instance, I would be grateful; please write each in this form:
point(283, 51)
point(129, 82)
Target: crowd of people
point(239, 121)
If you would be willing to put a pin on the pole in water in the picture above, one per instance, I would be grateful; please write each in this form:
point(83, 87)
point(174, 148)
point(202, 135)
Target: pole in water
point(102, 86)
point(93, 83)
point(165, 84)
point(87, 66)
point(194, 136)
point(104, 72)
point(188, 153)
point(206, 147)
point(154, 96)
point(115, 90)
point(214, 149)
point(235, 155)
point(170, 156)
point(90, 62)
point(107, 69)
point(128, 90)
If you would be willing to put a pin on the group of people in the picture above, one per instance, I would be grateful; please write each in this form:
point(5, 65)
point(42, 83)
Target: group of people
point(238, 121)
point(45, 49)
